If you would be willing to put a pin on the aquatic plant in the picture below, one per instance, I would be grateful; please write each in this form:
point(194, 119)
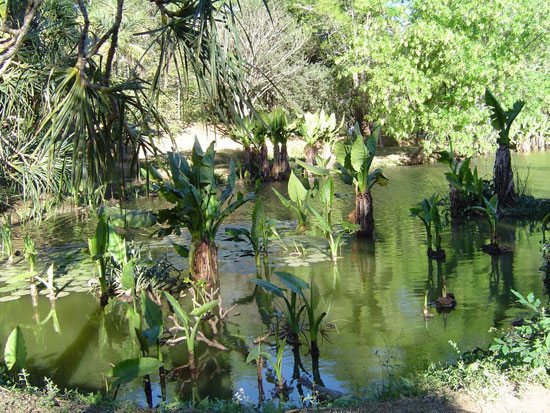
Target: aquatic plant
point(316, 129)
point(293, 309)
point(467, 188)
point(546, 246)
point(49, 283)
point(146, 324)
point(280, 128)
point(257, 354)
point(333, 233)
point(355, 157)
point(261, 230)
point(6, 240)
point(490, 211)
point(190, 323)
point(98, 247)
point(428, 212)
point(107, 247)
point(299, 195)
point(295, 305)
point(243, 133)
point(202, 203)
point(501, 120)
point(30, 253)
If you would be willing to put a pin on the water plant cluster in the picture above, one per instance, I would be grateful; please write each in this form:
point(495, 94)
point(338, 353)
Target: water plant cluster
point(84, 106)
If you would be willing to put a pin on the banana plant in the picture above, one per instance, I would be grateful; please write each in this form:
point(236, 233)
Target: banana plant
point(490, 211)
point(316, 129)
point(190, 323)
point(299, 195)
point(202, 203)
point(280, 129)
point(428, 212)
point(466, 186)
point(260, 232)
point(501, 120)
point(354, 159)
point(243, 133)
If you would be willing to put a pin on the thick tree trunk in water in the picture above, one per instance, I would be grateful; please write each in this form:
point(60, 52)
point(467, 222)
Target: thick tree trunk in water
point(503, 177)
point(364, 216)
point(204, 261)
point(285, 164)
point(265, 172)
point(247, 161)
point(281, 166)
point(275, 170)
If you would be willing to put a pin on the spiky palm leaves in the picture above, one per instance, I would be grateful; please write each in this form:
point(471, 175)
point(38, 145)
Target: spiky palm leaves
point(80, 102)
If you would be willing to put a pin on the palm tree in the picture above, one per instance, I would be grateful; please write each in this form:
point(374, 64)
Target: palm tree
point(108, 116)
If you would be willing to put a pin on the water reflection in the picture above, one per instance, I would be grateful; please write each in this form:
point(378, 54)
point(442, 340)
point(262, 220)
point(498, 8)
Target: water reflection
point(375, 294)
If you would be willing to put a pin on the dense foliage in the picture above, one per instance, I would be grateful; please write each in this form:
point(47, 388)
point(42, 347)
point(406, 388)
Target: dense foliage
point(421, 67)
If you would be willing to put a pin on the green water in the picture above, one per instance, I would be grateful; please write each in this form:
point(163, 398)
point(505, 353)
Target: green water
point(375, 297)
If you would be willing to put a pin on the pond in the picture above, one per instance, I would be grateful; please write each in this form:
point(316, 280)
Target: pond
point(374, 298)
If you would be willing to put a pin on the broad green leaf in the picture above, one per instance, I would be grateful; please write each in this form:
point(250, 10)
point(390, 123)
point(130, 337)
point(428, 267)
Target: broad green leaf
point(269, 287)
point(284, 201)
point(152, 312)
point(340, 153)
point(359, 154)
point(181, 250)
point(205, 308)
point(15, 352)
point(127, 280)
point(178, 310)
point(296, 190)
point(116, 245)
point(321, 221)
point(294, 283)
point(314, 169)
point(130, 369)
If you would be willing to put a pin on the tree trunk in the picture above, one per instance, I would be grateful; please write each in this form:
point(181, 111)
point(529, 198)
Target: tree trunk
point(311, 154)
point(265, 172)
point(503, 177)
point(364, 214)
point(204, 261)
point(276, 169)
point(285, 164)
point(281, 166)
